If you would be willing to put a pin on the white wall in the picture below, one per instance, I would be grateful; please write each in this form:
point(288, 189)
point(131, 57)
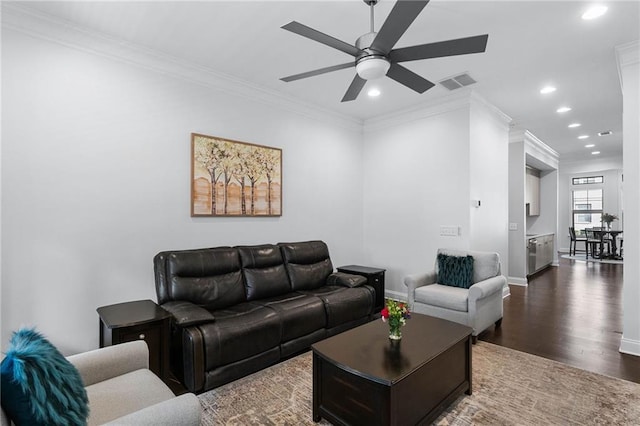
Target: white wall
point(489, 177)
point(517, 271)
point(95, 182)
point(418, 172)
point(629, 66)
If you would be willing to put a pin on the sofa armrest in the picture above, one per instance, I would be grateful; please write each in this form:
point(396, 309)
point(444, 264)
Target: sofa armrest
point(346, 280)
point(183, 410)
point(112, 361)
point(417, 280)
point(186, 313)
point(486, 288)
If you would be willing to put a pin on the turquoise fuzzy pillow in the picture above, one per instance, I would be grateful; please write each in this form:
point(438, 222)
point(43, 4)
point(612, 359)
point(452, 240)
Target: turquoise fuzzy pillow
point(455, 271)
point(39, 385)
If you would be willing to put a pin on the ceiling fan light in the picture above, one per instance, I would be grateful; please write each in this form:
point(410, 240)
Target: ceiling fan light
point(372, 67)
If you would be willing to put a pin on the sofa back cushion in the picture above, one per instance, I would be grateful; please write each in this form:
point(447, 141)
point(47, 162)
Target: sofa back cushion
point(308, 264)
point(210, 278)
point(485, 264)
point(264, 273)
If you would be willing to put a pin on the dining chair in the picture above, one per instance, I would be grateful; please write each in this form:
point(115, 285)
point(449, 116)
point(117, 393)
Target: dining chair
point(574, 242)
point(596, 242)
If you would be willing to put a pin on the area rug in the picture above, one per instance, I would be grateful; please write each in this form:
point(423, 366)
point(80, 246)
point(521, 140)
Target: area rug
point(509, 388)
point(583, 258)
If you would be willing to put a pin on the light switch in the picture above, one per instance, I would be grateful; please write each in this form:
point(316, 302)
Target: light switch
point(513, 226)
point(449, 231)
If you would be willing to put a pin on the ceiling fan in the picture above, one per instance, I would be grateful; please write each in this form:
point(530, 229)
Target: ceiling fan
point(375, 56)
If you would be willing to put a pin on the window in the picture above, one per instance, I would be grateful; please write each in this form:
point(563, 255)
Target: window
point(587, 209)
point(587, 180)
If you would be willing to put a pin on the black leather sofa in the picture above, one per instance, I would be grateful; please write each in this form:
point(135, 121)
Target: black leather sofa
point(237, 310)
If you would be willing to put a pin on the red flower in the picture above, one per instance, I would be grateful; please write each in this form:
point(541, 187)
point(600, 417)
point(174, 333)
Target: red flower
point(385, 312)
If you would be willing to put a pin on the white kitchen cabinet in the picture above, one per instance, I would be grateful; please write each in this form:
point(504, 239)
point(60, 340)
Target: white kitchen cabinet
point(532, 193)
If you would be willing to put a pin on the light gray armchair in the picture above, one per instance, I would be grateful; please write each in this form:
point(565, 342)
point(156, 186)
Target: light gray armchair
point(123, 391)
point(478, 307)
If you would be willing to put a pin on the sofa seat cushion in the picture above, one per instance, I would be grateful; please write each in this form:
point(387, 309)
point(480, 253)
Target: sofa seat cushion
point(444, 296)
point(119, 396)
point(239, 332)
point(299, 314)
point(344, 304)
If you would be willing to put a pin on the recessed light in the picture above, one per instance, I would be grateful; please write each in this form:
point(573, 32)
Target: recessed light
point(606, 133)
point(374, 92)
point(547, 89)
point(573, 125)
point(563, 109)
point(583, 136)
point(594, 12)
point(591, 145)
point(595, 152)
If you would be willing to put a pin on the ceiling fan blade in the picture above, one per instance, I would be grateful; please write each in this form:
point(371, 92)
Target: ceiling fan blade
point(354, 89)
point(317, 72)
point(404, 12)
point(460, 46)
point(408, 78)
point(308, 32)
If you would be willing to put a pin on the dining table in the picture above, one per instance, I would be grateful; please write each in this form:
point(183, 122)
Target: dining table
point(602, 235)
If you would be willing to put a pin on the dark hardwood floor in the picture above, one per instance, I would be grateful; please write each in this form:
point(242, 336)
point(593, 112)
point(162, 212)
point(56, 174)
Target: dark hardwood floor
point(571, 313)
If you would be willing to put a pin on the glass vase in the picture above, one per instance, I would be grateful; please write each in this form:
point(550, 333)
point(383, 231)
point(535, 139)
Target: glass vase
point(395, 333)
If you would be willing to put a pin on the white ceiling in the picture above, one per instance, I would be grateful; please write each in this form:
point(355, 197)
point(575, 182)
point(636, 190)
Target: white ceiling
point(531, 43)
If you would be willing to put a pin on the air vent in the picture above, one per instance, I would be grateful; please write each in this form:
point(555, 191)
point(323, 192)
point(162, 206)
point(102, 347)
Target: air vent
point(458, 81)
point(606, 133)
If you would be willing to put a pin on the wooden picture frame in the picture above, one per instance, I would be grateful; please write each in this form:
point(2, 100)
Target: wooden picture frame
point(232, 178)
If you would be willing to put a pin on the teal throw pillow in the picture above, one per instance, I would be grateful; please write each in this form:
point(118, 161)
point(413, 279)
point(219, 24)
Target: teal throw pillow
point(39, 385)
point(455, 271)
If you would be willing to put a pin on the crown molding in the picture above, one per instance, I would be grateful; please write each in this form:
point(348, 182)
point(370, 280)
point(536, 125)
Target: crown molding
point(535, 147)
point(501, 116)
point(614, 163)
point(52, 29)
point(626, 55)
point(436, 106)
point(463, 98)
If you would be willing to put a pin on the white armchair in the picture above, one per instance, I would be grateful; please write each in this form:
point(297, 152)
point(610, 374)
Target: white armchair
point(123, 391)
point(478, 307)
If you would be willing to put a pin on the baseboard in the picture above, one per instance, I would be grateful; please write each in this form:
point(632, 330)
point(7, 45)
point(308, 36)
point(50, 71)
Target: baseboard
point(518, 281)
point(395, 295)
point(631, 347)
point(506, 292)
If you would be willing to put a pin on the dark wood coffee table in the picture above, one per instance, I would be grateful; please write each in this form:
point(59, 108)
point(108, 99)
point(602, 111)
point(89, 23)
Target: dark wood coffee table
point(361, 378)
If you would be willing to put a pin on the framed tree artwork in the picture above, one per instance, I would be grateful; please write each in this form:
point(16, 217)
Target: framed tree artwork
point(231, 178)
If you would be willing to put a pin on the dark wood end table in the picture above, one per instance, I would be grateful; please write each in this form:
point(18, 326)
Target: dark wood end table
point(138, 320)
point(360, 377)
point(375, 278)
